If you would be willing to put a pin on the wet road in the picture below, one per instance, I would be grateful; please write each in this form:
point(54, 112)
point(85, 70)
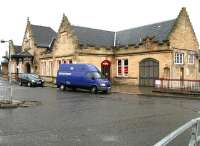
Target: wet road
point(81, 119)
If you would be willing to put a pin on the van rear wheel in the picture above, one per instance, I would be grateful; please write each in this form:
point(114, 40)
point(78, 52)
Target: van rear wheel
point(93, 90)
point(62, 87)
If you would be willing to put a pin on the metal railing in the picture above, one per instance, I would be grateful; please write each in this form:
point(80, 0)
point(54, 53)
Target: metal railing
point(194, 140)
point(177, 84)
point(6, 93)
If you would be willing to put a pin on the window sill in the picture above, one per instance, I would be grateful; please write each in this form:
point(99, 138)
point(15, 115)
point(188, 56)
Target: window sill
point(125, 77)
point(179, 63)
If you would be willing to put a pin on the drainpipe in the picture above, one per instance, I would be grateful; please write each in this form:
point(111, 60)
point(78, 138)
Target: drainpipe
point(114, 43)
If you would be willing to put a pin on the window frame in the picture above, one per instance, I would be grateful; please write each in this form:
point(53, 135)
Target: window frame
point(179, 58)
point(189, 59)
point(122, 66)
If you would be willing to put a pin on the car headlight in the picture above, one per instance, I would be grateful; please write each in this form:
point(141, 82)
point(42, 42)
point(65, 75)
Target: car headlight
point(33, 81)
point(102, 84)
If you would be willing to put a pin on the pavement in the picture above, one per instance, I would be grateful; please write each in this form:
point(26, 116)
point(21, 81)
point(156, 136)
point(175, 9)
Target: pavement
point(151, 92)
point(145, 91)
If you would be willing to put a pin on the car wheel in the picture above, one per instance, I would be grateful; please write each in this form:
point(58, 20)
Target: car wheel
point(93, 90)
point(20, 83)
point(29, 84)
point(62, 87)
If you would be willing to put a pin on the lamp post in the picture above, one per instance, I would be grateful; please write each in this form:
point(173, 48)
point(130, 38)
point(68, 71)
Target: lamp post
point(9, 58)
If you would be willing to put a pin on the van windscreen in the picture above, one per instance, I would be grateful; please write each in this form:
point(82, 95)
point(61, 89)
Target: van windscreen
point(96, 75)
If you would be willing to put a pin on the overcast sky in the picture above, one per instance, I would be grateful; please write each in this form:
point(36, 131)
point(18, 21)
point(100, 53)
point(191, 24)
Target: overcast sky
point(113, 15)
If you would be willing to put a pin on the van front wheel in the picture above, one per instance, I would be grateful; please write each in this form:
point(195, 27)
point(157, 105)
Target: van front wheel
point(62, 87)
point(93, 90)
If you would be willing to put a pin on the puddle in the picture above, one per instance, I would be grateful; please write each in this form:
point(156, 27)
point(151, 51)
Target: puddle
point(110, 138)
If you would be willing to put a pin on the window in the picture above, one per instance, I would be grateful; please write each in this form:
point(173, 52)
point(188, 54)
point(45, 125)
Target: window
point(58, 64)
point(122, 67)
point(70, 61)
point(67, 61)
point(47, 69)
point(191, 58)
point(50, 68)
point(43, 68)
point(126, 67)
point(95, 75)
point(199, 65)
point(119, 67)
point(179, 57)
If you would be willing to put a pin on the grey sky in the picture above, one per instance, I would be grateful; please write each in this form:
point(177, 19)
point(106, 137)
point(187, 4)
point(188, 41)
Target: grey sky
point(111, 15)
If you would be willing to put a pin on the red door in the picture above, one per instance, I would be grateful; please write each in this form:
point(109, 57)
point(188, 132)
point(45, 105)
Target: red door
point(105, 68)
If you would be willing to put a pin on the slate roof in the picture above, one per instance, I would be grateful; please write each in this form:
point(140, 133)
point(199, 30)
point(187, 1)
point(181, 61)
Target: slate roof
point(159, 31)
point(22, 54)
point(18, 49)
point(43, 35)
point(94, 37)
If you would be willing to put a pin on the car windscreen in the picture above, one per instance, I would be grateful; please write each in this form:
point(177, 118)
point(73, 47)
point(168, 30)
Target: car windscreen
point(33, 77)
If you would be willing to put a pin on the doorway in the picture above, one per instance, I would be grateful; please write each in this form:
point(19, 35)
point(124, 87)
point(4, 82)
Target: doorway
point(182, 73)
point(28, 68)
point(148, 72)
point(105, 68)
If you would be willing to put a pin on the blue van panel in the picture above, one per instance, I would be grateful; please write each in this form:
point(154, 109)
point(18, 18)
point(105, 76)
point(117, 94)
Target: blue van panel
point(77, 67)
point(75, 75)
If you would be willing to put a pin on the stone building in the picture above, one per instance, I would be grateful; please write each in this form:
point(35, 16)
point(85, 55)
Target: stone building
point(137, 56)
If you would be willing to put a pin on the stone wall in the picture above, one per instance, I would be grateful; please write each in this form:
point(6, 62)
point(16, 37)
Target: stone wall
point(164, 59)
point(183, 39)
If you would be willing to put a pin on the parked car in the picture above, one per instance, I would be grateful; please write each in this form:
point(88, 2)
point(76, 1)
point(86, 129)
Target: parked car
point(85, 76)
point(30, 80)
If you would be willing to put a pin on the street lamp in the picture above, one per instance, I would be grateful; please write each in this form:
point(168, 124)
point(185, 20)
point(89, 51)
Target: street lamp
point(9, 58)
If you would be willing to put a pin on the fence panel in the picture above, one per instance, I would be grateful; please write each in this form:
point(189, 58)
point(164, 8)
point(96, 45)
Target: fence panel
point(177, 84)
point(6, 93)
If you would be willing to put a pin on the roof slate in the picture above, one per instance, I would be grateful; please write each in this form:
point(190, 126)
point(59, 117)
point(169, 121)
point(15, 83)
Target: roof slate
point(22, 54)
point(43, 35)
point(18, 49)
point(158, 31)
point(94, 37)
